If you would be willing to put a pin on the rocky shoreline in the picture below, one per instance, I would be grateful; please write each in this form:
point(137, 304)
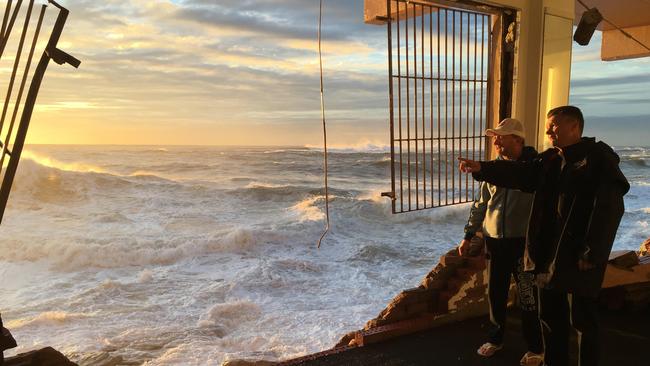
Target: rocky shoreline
point(47, 356)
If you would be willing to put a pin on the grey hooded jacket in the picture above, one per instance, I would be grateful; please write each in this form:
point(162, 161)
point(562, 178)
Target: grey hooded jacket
point(501, 212)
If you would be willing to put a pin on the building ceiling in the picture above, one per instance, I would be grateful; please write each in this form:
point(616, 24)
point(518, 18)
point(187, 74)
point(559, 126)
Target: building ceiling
point(623, 13)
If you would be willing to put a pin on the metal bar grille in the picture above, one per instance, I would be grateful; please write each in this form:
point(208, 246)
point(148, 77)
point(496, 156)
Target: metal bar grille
point(438, 60)
point(12, 134)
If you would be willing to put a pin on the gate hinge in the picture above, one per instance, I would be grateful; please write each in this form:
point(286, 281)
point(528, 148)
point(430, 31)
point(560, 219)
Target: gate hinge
point(391, 195)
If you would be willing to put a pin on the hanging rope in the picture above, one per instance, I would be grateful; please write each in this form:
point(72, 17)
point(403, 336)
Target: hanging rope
point(628, 35)
point(322, 112)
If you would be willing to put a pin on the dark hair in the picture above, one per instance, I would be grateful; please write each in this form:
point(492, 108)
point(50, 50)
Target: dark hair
point(570, 112)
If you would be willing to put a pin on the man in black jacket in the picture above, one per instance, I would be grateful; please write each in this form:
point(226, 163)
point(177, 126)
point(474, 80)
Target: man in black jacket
point(576, 211)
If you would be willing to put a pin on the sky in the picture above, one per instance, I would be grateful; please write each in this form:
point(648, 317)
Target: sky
point(245, 72)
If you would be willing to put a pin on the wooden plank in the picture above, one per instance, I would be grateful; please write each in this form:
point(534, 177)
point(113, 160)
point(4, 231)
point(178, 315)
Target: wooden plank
point(615, 276)
point(616, 46)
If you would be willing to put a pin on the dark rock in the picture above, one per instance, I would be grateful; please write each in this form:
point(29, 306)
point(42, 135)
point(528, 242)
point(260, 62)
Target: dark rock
point(624, 258)
point(7, 341)
point(345, 340)
point(43, 357)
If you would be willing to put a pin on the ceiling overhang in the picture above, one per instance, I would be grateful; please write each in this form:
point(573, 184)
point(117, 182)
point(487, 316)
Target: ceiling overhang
point(632, 16)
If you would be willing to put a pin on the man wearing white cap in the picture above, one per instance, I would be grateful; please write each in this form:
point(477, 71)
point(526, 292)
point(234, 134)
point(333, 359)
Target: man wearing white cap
point(501, 214)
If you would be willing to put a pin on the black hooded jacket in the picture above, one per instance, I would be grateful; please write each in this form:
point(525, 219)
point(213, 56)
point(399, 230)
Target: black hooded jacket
point(576, 210)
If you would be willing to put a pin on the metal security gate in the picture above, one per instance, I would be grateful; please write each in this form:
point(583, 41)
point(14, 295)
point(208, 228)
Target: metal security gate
point(439, 62)
point(24, 44)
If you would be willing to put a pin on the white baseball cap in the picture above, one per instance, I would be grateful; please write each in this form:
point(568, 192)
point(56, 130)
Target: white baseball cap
point(509, 126)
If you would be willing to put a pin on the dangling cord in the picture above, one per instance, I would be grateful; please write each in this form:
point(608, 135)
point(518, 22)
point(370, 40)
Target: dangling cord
point(322, 112)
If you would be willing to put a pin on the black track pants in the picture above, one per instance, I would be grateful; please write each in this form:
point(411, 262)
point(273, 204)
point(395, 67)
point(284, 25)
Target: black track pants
point(506, 260)
point(561, 310)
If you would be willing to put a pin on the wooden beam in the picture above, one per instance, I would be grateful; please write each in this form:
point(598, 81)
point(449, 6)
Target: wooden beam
point(617, 46)
point(615, 276)
point(375, 11)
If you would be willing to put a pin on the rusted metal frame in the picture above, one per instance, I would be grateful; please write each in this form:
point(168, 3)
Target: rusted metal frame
point(424, 134)
point(391, 104)
point(408, 112)
point(467, 110)
point(399, 102)
point(431, 103)
point(446, 107)
point(489, 73)
point(415, 107)
point(460, 105)
point(19, 98)
point(426, 208)
point(445, 138)
point(443, 79)
point(453, 106)
point(14, 71)
point(506, 76)
point(466, 6)
point(474, 98)
point(5, 18)
point(439, 115)
point(51, 53)
point(7, 33)
point(486, 86)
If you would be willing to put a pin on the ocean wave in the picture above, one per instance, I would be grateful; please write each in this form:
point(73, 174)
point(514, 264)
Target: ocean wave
point(383, 163)
point(112, 218)
point(48, 318)
point(72, 253)
point(52, 184)
point(65, 166)
point(296, 265)
point(287, 193)
point(269, 192)
point(307, 209)
point(636, 162)
point(377, 253)
point(287, 150)
point(630, 148)
point(230, 316)
point(362, 147)
point(373, 208)
point(145, 276)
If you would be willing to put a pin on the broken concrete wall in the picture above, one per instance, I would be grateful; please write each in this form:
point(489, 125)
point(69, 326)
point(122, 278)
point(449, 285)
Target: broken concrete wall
point(455, 289)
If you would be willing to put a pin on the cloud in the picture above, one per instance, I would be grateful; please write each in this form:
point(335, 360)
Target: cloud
point(610, 81)
point(210, 71)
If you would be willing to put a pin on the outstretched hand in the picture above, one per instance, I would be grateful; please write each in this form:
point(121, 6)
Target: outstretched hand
point(469, 166)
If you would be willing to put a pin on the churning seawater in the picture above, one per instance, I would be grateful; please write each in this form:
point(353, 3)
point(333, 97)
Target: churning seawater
point(195, 255)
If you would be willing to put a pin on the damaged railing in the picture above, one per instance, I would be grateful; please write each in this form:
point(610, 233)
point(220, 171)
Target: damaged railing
point(12, 137)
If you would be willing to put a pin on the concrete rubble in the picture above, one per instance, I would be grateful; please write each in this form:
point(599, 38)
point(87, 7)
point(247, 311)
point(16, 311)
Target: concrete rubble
point(454, 290)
